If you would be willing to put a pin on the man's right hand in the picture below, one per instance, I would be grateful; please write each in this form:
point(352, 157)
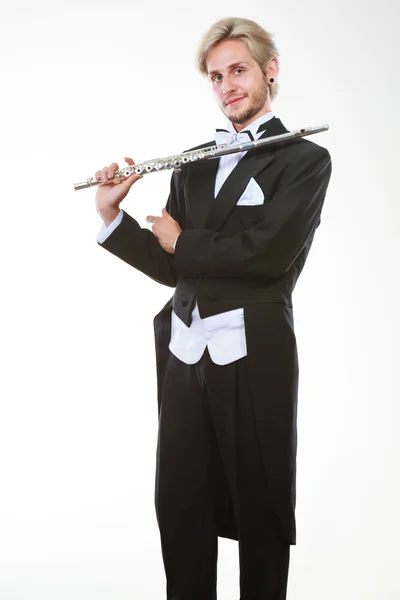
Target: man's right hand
point(110, 193)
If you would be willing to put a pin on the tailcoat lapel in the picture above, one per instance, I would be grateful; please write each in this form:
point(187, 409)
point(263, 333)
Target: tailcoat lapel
point(201, 185)
point(211, 213)
point(249, 166)
point(235, 184)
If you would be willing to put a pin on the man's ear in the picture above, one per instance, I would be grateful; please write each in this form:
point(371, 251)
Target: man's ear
point(273, 68)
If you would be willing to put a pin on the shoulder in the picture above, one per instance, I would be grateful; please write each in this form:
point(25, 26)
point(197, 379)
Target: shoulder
point(302, 156)
point(302, 148)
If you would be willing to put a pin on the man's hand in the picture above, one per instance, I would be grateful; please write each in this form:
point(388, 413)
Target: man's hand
point(111, 192)
point(166, 230)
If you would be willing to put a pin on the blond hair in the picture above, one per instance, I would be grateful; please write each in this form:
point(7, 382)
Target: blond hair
point(259, 42)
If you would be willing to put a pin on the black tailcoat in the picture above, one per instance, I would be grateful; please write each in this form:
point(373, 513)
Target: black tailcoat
point(250, 257)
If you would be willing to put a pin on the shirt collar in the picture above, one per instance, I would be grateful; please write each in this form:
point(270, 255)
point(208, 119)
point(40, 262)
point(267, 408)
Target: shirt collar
point(254, 125)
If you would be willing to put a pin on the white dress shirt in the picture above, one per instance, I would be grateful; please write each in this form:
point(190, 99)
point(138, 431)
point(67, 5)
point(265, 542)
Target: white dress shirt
point(223, 334)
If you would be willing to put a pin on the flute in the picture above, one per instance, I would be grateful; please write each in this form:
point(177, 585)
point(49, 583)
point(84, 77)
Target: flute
point(178, 160)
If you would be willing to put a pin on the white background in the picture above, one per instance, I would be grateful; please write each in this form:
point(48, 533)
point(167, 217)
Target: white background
point(84, 84)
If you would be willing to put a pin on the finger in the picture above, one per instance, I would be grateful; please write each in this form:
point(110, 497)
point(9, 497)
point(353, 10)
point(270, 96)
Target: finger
point(129, 181)
point(98, 175)
point(131, 163)
point(104, 174)
point(111, 170)
point(152, 219)
point(166, 214)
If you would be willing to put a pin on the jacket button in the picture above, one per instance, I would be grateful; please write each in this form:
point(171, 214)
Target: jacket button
point(184, 302)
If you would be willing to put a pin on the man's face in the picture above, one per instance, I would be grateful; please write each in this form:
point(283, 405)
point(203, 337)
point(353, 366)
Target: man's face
point(239, 85)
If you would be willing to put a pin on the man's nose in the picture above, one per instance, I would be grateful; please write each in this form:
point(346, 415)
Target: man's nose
point(227, 85)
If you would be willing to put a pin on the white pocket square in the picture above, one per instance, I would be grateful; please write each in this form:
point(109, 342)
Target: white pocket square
point(252, 195)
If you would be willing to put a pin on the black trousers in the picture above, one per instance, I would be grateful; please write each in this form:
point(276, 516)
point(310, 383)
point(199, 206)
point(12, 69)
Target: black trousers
point(207, 441)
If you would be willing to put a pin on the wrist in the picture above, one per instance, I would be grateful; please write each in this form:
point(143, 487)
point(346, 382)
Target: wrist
point(109, 214)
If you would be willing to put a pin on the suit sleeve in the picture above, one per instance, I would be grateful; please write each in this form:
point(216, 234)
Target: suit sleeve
point(139, 247)
point(271, 247)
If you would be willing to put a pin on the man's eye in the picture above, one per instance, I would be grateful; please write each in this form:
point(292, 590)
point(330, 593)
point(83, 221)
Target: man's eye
point(239, 69)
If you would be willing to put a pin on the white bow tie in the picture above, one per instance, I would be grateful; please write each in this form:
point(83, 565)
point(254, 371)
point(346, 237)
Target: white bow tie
point(225, 137)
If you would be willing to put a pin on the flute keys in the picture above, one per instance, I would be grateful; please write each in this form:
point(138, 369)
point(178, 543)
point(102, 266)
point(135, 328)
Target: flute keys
point(149, 167)
point(197, 155)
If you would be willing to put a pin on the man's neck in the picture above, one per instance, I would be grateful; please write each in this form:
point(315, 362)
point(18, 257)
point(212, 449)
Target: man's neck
point(240, 126)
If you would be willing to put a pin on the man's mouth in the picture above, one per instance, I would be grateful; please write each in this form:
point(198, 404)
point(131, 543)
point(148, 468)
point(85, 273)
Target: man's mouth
point(234, 101)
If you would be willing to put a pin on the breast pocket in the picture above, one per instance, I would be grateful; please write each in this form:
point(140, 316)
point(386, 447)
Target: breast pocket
point(252, 195)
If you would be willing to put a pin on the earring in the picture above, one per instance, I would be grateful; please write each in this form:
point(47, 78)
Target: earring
point(271, 80)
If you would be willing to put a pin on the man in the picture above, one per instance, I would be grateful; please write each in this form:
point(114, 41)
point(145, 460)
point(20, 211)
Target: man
point(233, 240)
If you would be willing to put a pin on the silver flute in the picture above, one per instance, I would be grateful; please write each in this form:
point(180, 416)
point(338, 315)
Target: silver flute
point(178, 160)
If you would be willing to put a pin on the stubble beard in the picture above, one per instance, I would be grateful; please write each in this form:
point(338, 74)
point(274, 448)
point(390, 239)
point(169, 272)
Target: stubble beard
point(258, 101)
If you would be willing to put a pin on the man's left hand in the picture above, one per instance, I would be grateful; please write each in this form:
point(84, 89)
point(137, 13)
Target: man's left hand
point(166, 230)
